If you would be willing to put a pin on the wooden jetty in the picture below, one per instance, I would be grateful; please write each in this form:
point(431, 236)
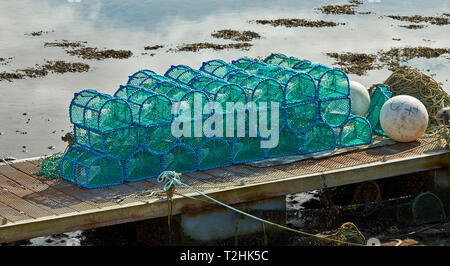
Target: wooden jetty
point(32, 206)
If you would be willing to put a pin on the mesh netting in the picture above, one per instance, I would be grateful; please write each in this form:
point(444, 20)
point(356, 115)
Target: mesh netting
point(213, 153)
point(356, 131)
point(288, 144)
point(99, 111)
point(142, 165)
point(299, 86)
point(283, 60)
point(181, 159)
point(90, 169)
point(319, 137)
point(158, 139)
point(120, 143)
point(247, 149)
point(427, 208)
point(222, 114)
point(379, 96)
point(49, 166)
point(148, 108)
point(331, 82)
point(335, 112)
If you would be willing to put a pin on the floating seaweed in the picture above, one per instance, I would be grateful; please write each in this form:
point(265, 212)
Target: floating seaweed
point(235, 35)
point(337, 9)
point(413, 27)
point(95, 53)
point(154, 47)
point(296, 22)
point(43, 70)
point(419, 18)
point(79, 49)
point(66, 44)
point(195, 47)
point(360, 63)
point(38, 33)
point(356, 63)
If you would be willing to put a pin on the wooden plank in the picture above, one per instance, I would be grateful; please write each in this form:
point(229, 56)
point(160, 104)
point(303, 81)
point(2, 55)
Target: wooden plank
point(29, 208)
point(48, 188)
point(42, 201)
point(87, 198)
point(12, 215)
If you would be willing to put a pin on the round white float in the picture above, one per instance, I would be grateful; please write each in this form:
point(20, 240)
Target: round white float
point(360, 98)
point(404, 118)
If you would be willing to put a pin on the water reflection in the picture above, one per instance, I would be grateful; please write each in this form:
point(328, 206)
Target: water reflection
point(132, 25)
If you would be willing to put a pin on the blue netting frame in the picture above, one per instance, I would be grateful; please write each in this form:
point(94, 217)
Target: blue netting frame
point(379, 96)
point(137, 78)
point(290, 148)
point(162, 144)
point(181, 171)
point(290, 62)
point(227, 161)
point(360, 133)
point(320, 73)
point(218, 68)
point(271, 88)
point(151, 81)
point(126, 166)
point(182, 74)
point(295, 122)
point(317, 139)
point(234, 149)
point(325, 114)
point(296, 83)
point(75, 164)
point(101, 109)
point(118, 143)
point(140, 98)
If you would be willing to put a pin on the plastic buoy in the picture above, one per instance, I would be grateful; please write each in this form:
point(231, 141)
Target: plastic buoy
point(360, 98)
point(404, 118)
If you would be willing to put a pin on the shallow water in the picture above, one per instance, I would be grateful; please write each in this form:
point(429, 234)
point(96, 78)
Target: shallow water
point(132, 25)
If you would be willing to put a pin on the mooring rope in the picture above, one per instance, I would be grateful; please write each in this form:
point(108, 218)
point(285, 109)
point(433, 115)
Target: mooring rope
point(171, 178)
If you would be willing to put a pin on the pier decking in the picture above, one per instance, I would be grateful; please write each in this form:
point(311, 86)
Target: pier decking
point(32, 206)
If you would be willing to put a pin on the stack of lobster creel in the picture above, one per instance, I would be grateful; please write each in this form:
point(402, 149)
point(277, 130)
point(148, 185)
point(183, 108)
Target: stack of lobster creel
point(220, 114)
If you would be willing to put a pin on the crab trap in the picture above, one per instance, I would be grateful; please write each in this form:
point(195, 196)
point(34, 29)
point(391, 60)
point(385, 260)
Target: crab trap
point(221, 114)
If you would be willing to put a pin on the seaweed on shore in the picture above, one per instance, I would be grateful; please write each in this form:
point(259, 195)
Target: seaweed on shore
point(235, 35)
point(296, 22)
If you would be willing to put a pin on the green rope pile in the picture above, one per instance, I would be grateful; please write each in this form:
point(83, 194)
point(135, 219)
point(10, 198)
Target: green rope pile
point(50, 166)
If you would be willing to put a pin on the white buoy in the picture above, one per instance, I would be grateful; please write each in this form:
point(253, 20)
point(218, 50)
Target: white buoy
point(404, 118)
point(360, 98)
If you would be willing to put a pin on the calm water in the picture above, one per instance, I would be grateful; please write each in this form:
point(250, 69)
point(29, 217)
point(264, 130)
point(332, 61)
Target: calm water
point(134, 24)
